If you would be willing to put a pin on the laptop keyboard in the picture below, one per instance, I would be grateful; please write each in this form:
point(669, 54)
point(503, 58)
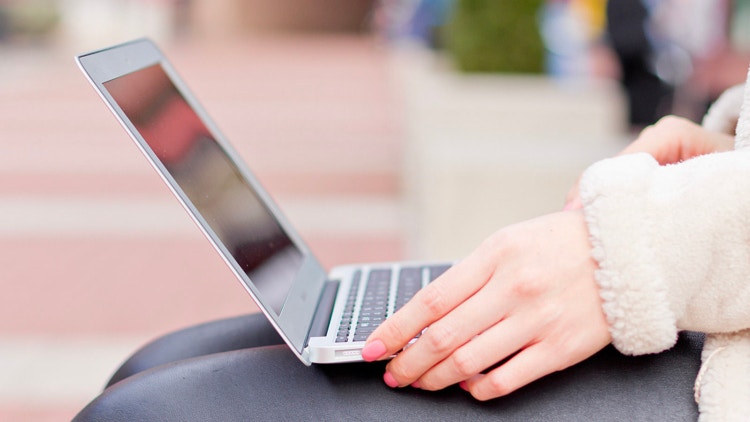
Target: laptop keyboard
point(357, 323)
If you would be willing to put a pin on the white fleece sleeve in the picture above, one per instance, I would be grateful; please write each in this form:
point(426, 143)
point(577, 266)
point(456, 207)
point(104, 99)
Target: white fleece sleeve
point(672, 244)
point(723, 385)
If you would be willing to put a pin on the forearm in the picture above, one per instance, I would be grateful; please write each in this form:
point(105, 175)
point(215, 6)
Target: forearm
point(672, 244)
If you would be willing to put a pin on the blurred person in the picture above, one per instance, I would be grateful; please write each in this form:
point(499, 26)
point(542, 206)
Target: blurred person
point(572, 31)
point(676, 56)
point(648, 96)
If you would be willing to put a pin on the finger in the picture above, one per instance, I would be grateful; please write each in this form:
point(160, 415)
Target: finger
point(527, 366)
point(492, 346)
point(663, 140)
point(452, 332)
point(430, 304)
point(673, 139)
point(670, 140)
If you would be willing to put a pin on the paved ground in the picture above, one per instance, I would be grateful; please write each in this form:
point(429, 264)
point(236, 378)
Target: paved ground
point(96, 257)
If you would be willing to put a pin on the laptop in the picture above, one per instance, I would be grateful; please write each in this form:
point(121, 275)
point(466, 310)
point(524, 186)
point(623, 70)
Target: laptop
point(324, 317)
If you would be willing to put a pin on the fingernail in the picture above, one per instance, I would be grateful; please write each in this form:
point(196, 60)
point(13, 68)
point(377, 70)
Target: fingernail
point(373, 351)
point(464, 385)
point(389, 380)
point(416, 384)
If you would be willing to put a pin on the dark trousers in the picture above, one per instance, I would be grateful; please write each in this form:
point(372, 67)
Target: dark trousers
point(237, 369)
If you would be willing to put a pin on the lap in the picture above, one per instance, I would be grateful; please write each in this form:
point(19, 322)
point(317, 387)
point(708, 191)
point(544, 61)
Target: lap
point(269, 382)
point(241, 332)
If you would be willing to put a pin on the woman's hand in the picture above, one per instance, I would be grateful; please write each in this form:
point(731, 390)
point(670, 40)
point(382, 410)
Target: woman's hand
point(671, 140)
point(526, 298)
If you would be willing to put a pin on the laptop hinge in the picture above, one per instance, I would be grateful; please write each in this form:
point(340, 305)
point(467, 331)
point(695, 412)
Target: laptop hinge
point(319, 326)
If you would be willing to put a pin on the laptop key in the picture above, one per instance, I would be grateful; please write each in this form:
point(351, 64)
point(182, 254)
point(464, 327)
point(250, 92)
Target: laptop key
point(409, 282)
point(345, 323)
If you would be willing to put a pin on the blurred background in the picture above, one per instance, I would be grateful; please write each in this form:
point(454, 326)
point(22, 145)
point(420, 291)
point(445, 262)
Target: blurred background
point(386, 130)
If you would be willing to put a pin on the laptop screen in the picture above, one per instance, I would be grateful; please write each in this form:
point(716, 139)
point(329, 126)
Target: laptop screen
point(206, 174)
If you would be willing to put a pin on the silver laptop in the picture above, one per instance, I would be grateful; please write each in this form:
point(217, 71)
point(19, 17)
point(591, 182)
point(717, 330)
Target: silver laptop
point(323, 317)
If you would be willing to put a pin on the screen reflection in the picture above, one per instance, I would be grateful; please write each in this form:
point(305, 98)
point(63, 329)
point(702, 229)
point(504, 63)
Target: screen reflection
point(213, 184)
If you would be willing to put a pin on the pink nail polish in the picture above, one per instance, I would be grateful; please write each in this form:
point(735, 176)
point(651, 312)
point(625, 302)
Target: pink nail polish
point(373, 351)
point(416, 384)
point(464, 385)
point(389, 380)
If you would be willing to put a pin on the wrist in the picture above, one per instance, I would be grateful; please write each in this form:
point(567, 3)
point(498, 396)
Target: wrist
point(633, 290)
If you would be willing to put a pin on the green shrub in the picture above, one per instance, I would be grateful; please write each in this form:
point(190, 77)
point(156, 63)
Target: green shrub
point(495, 36)
point(31, 18)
